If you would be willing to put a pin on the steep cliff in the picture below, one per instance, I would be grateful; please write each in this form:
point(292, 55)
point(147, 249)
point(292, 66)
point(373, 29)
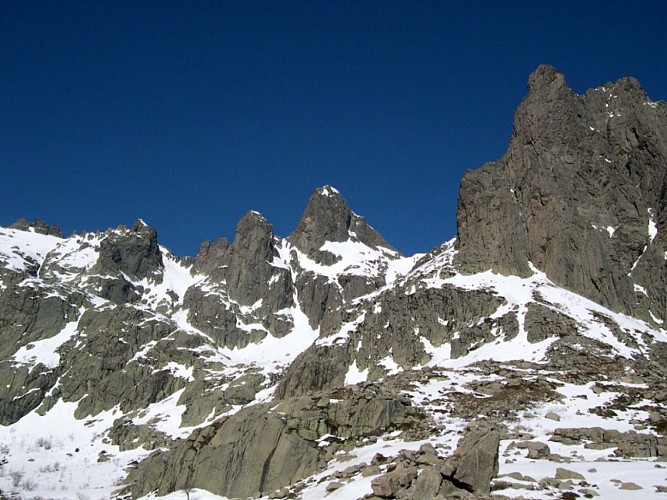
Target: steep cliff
point(580, 194)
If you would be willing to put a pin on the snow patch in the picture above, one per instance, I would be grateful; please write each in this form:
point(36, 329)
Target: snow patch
point(59, 454)
point(518, 292)
point(329, 191)
point(343, 335)
point(354, 375)
point(166, 416)
point(20, 249)
point(655, 318)
point(390, 365)
point(652, 226)
point(45, 351)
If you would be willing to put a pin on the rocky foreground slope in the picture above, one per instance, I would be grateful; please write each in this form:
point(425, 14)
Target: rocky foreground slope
point(524, 358)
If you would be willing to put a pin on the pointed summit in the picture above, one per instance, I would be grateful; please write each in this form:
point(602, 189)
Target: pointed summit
point(582, 179)
point(328, 191)
point(546, 77)
point(134, 254)
point(254, 237)
point(139, 225)
point(328, 217)
point(246, 265)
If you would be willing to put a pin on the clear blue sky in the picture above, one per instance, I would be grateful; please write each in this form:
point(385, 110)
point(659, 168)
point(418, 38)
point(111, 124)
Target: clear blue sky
point(188, 114)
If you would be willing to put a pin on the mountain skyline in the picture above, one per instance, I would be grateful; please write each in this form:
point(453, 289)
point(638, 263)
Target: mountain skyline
point(180, 114)
point(524, 357)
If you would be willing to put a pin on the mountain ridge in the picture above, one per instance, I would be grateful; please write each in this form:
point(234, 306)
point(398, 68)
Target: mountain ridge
point(326, 363)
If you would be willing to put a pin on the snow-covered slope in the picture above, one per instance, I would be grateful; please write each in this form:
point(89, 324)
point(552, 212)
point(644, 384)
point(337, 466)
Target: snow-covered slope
point(122, 373)
point(122, 298)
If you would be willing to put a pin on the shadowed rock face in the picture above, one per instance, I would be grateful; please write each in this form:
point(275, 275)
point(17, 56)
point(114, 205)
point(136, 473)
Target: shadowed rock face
point(265, 272)
point(580, 193)
point(135, 253)
point(246, 272)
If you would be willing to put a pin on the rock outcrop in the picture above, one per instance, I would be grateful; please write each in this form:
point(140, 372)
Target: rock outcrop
point(38, 226)
point(627, 444)
point(265, 447)
point(328, 218)
point(392, 327)
point(425, 474)
point(475, 461)
point(134, 253)
point(580, 194)
point(242, 280)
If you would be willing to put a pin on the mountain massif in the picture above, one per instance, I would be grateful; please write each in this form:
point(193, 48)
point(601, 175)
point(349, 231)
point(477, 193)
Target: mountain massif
point(524, 358)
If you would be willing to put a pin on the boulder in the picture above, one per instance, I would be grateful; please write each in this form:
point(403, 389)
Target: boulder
point(565, 474)
point(388, 485)
point(536, 449)
point(475, 461)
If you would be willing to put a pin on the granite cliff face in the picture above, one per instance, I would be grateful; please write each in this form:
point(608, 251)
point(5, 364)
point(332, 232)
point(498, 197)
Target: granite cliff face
point(580, 194)
point(326, 363)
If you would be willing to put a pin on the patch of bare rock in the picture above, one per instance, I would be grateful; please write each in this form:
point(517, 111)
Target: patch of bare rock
point(424, 474)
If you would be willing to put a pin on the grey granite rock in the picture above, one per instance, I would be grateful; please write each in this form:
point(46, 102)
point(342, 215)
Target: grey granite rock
point(574, 194)
point(265, 447)
point(475, 461)
point(328, 217)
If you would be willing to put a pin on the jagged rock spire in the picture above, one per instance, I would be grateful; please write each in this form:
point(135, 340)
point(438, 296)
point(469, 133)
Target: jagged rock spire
point(38, 226)
point(581, 182)
point(247, 263)
point(135, 252)
point(328, 217)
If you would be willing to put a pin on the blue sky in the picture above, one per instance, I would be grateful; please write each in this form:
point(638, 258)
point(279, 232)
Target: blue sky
point(189, 114)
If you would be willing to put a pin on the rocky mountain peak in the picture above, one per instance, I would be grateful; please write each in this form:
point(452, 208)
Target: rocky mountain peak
point(327, 365)
point(328, 218)
point(253, 225)
point(628, 87)
point(253, 242)
point(245, 266)
point(140, 226)
point(581, 182)
point(546, 80)
point(209, 255)
point(135, 253)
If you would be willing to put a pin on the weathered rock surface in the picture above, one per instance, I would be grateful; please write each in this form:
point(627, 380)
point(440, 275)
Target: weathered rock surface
point(289, 353)
point(392, 327)
point(536, 449)
point(241, 275)
point(579, 194)
point(475, 461)
point(135, 253)
point(328, 218)
point(628, 444)
point(38, 226)
point(265, 447)
point(424, 474)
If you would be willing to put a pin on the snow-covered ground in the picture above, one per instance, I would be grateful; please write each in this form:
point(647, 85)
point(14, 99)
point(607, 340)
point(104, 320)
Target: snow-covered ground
point(58, 456)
